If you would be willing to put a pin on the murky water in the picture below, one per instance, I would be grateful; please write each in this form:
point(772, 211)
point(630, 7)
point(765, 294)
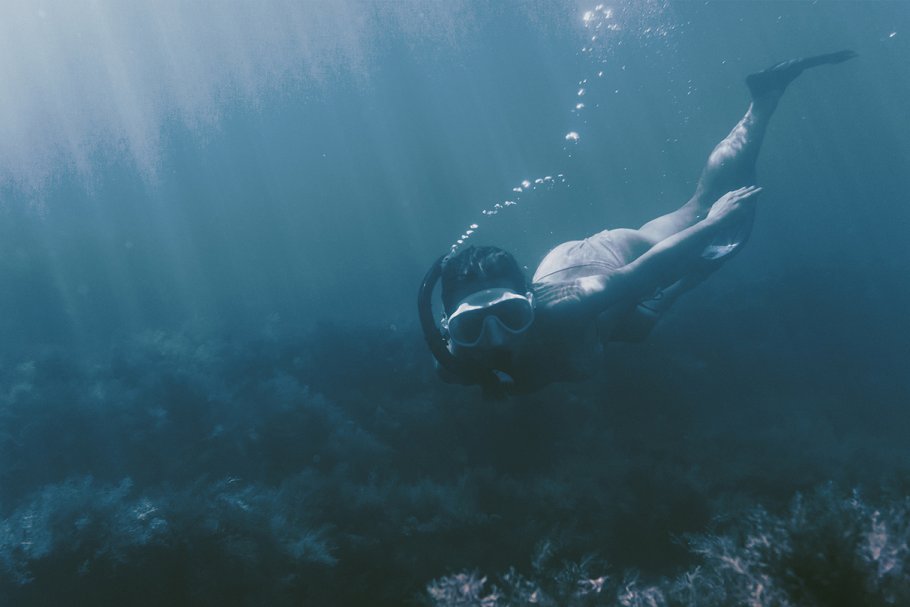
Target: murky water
point(213, 389)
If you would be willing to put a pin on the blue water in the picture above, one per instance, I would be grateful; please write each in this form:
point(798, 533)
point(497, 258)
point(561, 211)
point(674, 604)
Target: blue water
point(213, 390)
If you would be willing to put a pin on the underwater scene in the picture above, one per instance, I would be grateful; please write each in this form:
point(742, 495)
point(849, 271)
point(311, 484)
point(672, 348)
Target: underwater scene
point(217, 387)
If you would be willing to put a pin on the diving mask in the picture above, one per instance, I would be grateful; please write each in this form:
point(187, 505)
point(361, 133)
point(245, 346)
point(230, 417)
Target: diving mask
point(489, 317)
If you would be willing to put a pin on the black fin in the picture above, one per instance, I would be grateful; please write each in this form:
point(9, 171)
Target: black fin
point(778, 76)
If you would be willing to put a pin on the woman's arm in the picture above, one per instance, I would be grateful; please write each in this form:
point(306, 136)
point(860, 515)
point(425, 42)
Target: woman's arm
point(661, 265)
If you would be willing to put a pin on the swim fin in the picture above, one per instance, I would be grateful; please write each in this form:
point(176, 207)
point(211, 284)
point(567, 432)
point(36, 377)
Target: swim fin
point(778, 76)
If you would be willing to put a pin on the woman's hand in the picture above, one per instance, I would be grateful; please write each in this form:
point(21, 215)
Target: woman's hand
point(732, 205)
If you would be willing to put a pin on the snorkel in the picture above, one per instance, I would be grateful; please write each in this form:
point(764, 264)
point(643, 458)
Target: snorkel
point(438, 344)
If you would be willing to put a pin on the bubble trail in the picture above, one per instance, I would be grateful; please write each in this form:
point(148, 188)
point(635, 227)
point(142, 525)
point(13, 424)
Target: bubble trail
point(606, 28)
point(524, 188)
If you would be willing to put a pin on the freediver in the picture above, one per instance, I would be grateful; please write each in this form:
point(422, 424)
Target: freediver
point(512, 335)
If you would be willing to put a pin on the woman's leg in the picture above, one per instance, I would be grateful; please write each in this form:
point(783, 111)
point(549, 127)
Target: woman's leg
point(732, 163)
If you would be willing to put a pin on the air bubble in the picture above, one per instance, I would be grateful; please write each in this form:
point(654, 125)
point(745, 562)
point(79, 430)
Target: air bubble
point(573, 136)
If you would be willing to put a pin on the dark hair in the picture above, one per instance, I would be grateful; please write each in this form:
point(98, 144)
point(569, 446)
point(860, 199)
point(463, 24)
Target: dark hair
point(477, 268)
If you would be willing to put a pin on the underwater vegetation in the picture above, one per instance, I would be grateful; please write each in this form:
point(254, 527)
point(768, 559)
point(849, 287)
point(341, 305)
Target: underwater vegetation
point(190, 469)
point(826, 549)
